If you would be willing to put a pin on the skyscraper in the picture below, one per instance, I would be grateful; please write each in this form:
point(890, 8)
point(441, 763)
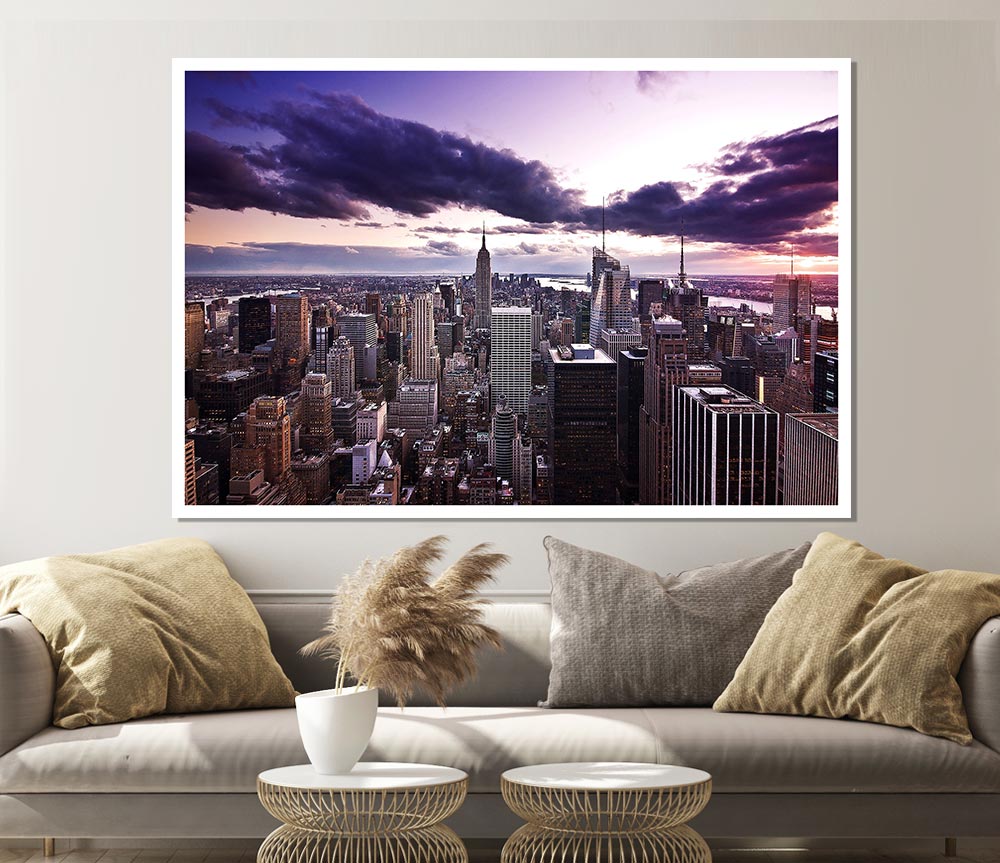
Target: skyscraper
point(322, 336)
point(818, 334)
point(447, 291)
point(371, 422)
point(666, 367)
point(613, 342)
point(611, 303)
point(650, 291)
point(269, 427)
point(825, 381)
point(810, 462)
point(631, 384)
point(194, 333)
point(686, 303)
point(424, 356)
point(582, 432)
point(373, 306)
point(524, 463)
point(340, 368)
point(725, 448)
point(447, 332)
point(361, 331)
point(190, 487)
point(788, 342)
point(582, 319)
point(291, 330)
point(738, 373)
point(792, 299)
point(503, 431)
point(484, 287)
point(255, 322)
point(599, 262)
point(510, 357)
point(415, 407)
point(316, 435)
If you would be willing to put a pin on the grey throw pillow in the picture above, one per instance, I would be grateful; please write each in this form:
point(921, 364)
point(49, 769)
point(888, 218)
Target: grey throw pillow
point(627, 636)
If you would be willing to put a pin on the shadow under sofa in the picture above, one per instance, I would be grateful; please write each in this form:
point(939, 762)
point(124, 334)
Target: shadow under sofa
point(193, 776)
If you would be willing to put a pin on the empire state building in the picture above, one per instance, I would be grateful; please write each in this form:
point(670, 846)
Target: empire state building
point(484, 288)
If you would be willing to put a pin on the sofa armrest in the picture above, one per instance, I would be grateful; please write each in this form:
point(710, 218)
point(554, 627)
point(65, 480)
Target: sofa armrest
point(27, 682)
point(979, 678)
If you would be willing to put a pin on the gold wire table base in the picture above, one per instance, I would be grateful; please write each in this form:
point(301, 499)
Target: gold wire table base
point(625, 810)
point(534, 844)
point(362, 811)
point(436, 844)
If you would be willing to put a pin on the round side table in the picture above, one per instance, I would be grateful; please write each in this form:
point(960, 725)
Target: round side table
point(378, 811)
point(613, 809)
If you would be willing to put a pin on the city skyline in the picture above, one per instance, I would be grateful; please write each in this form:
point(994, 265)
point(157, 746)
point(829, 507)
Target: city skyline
point(289, 172)
point(677, 345)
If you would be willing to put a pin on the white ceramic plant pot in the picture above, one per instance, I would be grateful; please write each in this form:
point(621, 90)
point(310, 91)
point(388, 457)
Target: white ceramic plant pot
point(336, 727)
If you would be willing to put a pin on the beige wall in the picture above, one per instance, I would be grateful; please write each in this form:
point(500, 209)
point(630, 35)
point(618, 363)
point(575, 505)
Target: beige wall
point(84, 438)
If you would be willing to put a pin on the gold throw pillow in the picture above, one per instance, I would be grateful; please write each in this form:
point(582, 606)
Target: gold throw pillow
point(154, 628)
point(862, 636)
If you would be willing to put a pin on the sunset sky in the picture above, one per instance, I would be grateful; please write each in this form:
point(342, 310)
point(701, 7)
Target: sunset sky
point(395, 172)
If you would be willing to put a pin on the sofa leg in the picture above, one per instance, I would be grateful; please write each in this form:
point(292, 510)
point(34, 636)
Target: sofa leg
point(951, 847)
point(49, 846)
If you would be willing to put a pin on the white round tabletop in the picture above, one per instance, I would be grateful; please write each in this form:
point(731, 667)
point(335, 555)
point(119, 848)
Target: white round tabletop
point(604, 775)
point(366, 775)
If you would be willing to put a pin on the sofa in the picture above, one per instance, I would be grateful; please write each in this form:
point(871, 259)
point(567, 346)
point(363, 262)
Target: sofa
point(774, 776)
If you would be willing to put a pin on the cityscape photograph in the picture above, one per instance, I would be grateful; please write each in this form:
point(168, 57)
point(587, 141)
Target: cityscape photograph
point(512, 288)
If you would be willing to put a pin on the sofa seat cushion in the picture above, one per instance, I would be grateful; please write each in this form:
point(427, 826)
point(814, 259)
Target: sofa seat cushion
point(747, 752)
point(224, 752)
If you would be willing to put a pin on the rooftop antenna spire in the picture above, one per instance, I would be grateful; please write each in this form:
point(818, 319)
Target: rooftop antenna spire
point(682, 275)
point(791, 256)
point(484, 234)
point(602, 224)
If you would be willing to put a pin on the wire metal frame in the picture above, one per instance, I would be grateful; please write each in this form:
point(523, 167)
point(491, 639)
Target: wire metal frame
point(438, 844)
point(533, 844)
point(362, 812)
point(618, 810)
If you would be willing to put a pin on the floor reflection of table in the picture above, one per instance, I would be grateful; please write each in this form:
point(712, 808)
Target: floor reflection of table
point(606, 811)
point(378, 812)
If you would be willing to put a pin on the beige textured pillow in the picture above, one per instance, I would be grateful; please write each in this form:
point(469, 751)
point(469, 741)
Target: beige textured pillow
point(862, 636)
point(154, 628)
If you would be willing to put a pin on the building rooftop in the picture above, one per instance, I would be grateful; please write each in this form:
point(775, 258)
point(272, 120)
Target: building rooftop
point(828, 424)
point(579, 354)
point(236, 374)
point(725, 399)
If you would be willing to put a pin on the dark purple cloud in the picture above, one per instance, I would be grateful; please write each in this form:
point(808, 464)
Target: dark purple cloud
point(227, 177)
point(333, 156)
point(338, 154)
point(770, 192)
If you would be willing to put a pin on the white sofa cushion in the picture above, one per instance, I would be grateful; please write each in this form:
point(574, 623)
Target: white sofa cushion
point(224, 752)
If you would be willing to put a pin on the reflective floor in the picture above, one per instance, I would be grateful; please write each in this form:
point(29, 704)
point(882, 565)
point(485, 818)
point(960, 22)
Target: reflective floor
point(969, 851)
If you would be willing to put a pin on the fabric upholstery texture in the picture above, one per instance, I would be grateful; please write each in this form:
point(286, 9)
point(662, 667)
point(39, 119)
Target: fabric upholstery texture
point(979, 681)
point(27, 681)
point(224, 752)
point(627, 636)
point(147, 629)
point(862, 636)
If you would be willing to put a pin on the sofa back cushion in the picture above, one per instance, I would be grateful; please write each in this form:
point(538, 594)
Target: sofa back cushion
point(516, 676)
point(626, 636)
point(154, 628)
